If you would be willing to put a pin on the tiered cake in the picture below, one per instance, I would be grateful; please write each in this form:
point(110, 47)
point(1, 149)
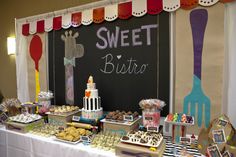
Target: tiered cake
point(91, 102)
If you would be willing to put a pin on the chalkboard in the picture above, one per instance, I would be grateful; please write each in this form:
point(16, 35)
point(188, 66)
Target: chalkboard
point(132, 66)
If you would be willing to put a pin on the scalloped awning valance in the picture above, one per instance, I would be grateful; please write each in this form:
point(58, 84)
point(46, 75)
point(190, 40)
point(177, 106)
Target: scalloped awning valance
point(111, 12)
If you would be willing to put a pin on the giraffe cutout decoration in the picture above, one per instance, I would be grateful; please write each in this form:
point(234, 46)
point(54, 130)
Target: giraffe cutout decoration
point(72, 51)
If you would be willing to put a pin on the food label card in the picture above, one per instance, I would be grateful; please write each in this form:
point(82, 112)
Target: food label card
point(147, 118)
point(3, 117)
point(76, 118)
point(213, 151)
point(185, 140)
point(152, 128)
point(226, 154)
point(85, 138)
point(1, 107)
point(219, 136)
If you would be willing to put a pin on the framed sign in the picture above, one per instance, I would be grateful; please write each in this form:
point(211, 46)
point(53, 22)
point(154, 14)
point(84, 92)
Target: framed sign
point(76, 118)
point(219, 136)
point(153, 128)
point(3, 117)
point(213, 151)
point(222, 122)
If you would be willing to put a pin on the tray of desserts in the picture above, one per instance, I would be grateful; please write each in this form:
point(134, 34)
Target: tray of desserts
point(25, 118)
point(67, 141)
point(148, 139)
point(106, 141)
point(46, 130)
point(63, 110)
point(121, 116)
point(72, 135)
point(180, 119)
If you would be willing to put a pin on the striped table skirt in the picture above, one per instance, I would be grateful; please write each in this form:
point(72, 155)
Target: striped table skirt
point(170, 147)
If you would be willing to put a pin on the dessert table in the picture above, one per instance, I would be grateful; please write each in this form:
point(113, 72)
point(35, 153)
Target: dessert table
point(14, 144)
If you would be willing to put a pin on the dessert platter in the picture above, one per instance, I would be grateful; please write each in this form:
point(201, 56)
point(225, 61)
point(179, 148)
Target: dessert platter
point(72, 135)
point(25, 118)
point(62, 110)
point(121, 116)
point(106, 141)
point(149, 139)
point(47, 130)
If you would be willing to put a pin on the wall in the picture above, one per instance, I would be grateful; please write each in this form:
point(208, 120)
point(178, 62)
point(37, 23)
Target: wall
point(230, 73)
point(9, 10)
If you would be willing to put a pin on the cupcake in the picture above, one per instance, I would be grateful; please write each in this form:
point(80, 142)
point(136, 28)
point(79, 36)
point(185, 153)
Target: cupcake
point(125, 138)
point(120, 118)
point(136, 114)
point(129, 113)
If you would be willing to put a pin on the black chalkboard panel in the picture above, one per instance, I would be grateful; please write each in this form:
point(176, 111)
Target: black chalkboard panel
point(132, 66)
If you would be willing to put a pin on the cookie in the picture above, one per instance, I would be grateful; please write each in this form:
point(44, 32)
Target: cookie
point(125, 138)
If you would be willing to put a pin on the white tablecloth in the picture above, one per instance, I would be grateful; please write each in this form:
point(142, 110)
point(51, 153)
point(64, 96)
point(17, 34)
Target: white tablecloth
point(13, 144)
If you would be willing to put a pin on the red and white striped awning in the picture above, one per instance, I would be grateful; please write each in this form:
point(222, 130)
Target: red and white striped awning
point(125, 10)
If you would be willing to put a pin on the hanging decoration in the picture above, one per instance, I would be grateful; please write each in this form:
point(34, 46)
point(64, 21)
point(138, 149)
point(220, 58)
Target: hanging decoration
point(87, 17)
point(188, 4)
point(35, 50)
point(111, 12)
point(197, 97)
point(125, 10)
point(208, 2)
point(154, 6)
point(98, 15)
point(171, 5)
point(76, 19)
point(48, 24)
point(72, 51)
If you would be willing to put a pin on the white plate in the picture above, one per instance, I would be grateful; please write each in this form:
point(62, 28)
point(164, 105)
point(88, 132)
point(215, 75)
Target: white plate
point(60, 140)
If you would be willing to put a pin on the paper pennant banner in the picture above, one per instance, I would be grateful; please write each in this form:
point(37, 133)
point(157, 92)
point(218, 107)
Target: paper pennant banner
point(171, 5)
point(48, 24)
point(139, 8)
point(154, 6)
point(76, 19)
point(57, 23)
point(25, 29)
point(125, 10)
point(66, 21)
point(188, 4)
point(111, 12)
point(98, 15)
point(40, 26)
point(207, 2)
point(32, 27)
point(87, 17)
